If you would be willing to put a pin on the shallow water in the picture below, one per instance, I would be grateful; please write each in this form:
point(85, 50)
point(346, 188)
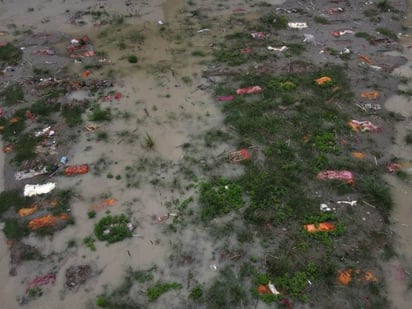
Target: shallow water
point(398, 270)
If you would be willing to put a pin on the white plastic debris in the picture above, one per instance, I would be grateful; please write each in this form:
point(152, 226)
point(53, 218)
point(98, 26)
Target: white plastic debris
point(280, 49)
point(160, 22)
point(74, 41)
point(33, 190)
point(213, 267)
point(309, 38)
point(325, 208)
point(351, 203)
point(42, 132)
point(203, 30)
point(345, 51)
point(30, 173)
point(297, 25)
point(273, 289)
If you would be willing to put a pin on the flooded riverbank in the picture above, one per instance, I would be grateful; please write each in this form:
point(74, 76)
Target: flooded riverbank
point(166, 136)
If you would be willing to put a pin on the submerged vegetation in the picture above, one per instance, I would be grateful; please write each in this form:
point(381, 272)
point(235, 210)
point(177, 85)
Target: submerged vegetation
point(268, 227)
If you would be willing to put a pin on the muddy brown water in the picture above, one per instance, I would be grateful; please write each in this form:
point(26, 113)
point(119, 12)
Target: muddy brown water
point(160, 104)
point(176, 111)
point(398, 270)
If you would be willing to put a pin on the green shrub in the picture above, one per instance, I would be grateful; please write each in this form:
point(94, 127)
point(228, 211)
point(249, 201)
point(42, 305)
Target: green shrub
point(15, 230)
point(154, 292)
point(132, 59)
point(13, 94)
point(12, 198)
point(219, 197)
point(73, 114)
point(196, 293)
point(99, 114)
point(387, 32)
point(89, 242)
point(24, 148)
point(113, 229)
point(9, 55)
point(43, 108)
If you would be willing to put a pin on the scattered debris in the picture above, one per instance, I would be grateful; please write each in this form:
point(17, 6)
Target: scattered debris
point(338, 34)
point(323, 80)
point(42, 280)
point(30, 173)
point(399, 166)
point(358, 155)
point(91, 127)
point(348, 275)
point(33, 190)
point(44, 51)
point(363, 126)
point(76, 170)
point(246, 50)
point(109, 98)
point(249, 90)
point(280, 49)
point(308, 38)
point(299, 26)
point(325, 208)
point(24, 212)
point(267, 289)
point(333, 11)
point(225, 98)
point(103, 205)
point(369, 106)
point(345, 176)
point(259, 35)
point(240, 155)
point(77, 275)
point(46, 221)
point(351, 203)
point(321, 227)
point(371, 95)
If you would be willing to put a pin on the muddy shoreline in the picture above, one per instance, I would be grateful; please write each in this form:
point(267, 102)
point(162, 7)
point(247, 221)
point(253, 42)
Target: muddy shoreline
point(151, 156)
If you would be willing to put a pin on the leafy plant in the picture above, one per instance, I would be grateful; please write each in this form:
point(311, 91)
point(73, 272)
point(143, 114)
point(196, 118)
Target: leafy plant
point(218, 197)
point(155, 291)
point(132, 59)
point(113, 228)
point(99, 114)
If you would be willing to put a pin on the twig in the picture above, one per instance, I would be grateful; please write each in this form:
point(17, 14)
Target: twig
point(368, 204)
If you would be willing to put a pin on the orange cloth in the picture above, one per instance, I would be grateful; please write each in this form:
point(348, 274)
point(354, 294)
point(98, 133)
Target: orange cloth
point(24, 212)
point(76, 170)
point(321, 227)
point(358, 155)
point(263, 289)
point(371, 95)
point(323, 80)
point(86, 73)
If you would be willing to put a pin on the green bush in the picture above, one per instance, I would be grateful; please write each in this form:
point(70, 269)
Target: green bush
point(99, 114)
point(12, 198)
point(13, 94)
point(112, 229)
point(73, 114)
point(154, 292)
point(9, 55)
point(14, 229)
point(24, 148)
point(132, 59)
point(218, 197)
